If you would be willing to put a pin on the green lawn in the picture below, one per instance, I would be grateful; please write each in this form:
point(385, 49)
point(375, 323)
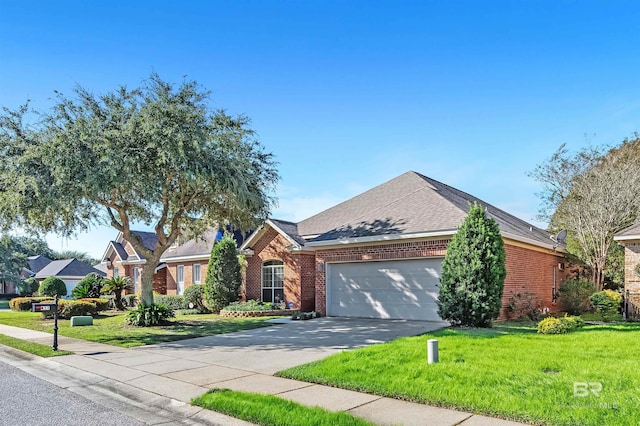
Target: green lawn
point(508, 371)
point(110, 328)
point(271, 410)
point(33, 348)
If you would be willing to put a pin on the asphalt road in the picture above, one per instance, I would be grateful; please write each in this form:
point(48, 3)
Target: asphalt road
point(27, 400)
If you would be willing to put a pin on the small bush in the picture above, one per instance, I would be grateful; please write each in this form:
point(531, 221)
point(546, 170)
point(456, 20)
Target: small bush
point(71, 308)
point(52, 286)
point(171, 301)
point(606, 303)
point(24, 303)
point(574, 295)
point(573, 321)
point(101, 304)
point(195, 295)
point(254, 305)
point(525, 305)
point(553, 325)
point(89, 287)
point(129, 300)
point(116, 286)
point(562, 325)
point(28, 287)
point(146, 316)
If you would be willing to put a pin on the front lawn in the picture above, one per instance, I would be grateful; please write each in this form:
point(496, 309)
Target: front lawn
point(110, 328)
point(269, 410)
point(508, 371)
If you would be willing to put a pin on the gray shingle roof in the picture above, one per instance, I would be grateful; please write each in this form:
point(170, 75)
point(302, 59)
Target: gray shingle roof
point(410, 203)
point(119, 249)
point(633, 230)
point(36, 263)
point(289, 228)
point(67, 268)
point(193, 247)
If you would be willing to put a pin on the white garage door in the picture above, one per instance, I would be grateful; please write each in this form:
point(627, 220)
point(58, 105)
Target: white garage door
point(398, 289)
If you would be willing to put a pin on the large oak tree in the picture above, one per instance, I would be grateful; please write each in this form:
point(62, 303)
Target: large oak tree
point(158, 154)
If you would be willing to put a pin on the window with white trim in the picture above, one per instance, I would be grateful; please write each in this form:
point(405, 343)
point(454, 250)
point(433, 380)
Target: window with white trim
point(273, 281)
point(196, 273)
point(136, 278)
point(116, 274)
point(180, 279)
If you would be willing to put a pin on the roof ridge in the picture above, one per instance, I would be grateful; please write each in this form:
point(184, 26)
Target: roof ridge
point(456, 190)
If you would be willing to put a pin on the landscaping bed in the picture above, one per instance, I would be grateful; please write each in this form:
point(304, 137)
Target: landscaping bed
point(508, 371)
point(110, 328)
point(256, 314)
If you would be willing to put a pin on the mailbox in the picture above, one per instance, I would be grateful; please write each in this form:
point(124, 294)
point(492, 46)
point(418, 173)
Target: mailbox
point(43, 307)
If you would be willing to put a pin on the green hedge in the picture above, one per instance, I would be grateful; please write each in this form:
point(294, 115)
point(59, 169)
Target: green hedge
point(24, 303)
point(101, 304)
point(171, 301)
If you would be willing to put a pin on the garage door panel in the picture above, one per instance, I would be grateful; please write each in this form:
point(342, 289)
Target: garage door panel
point(402, 289)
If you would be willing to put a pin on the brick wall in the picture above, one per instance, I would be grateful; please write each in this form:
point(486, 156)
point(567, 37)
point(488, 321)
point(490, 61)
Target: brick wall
point(400, 250)
point(531, 271)
point(172, 274)
point(631, 259)
point(299, 270)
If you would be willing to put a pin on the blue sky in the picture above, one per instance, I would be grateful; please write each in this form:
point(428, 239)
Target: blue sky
point(349, 94)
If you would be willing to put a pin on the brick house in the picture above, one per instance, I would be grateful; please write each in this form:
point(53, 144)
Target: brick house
point(379, 254)
point(183, 264)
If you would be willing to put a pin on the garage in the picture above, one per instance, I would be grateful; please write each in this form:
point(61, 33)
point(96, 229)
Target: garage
point(397, 289)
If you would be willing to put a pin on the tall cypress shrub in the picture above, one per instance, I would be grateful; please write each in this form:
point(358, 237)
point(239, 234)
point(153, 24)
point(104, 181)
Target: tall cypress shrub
point(224, 276)
point(473, 272)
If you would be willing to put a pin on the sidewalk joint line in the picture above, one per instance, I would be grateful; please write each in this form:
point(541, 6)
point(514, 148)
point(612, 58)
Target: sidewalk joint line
point(463, 420)
point(365, 403)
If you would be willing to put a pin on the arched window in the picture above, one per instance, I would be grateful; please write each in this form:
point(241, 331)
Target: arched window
point(273, 281)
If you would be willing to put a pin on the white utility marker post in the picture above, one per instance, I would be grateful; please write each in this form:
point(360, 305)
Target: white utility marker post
point(432, 351)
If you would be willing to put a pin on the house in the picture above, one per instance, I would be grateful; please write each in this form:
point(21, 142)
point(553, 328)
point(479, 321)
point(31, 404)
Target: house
point(183, 264)
point(630, 239)
point(35, 264)
point(71, 271)
point(379, 254)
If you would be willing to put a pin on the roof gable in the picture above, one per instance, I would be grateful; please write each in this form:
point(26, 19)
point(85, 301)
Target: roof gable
point(67, 268)
point(409, 204)
point(36, 263)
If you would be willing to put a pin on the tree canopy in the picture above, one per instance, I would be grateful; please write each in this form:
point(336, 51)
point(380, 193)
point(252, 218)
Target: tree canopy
point(592, 194)
point(158, 154)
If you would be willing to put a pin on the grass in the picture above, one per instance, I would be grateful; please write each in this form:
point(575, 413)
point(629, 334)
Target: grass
point(508, 371)
point(4, 304)
point(271, 410)
point(110, 328)
point(32, 348)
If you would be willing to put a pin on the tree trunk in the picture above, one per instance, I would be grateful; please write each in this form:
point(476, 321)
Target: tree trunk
point(146, 278)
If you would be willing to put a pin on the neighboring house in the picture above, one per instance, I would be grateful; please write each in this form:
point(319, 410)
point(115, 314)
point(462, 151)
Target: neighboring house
point(35, 264)
point(71, 271)
point(183, 264)
point(630, 239)
point(379, 254)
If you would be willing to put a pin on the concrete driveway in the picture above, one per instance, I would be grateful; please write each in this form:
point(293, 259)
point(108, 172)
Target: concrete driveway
point(271, 349)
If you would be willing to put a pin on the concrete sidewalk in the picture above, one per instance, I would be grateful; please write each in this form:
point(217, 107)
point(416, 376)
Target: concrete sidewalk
point(155, 384)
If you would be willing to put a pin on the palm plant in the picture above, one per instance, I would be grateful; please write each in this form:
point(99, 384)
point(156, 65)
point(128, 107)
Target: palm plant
point(116, 286)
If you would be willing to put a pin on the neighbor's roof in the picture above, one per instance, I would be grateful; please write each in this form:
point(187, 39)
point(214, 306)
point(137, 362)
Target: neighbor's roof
point(631, 233)
point(36, 263)
point(199, 247)
point(67, 268)
point(408, 204)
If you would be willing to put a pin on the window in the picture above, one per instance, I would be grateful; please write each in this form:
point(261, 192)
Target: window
point(196, 273)
point(136, 278)
point(115, 273)
point(273, 281)
point(180, 279)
